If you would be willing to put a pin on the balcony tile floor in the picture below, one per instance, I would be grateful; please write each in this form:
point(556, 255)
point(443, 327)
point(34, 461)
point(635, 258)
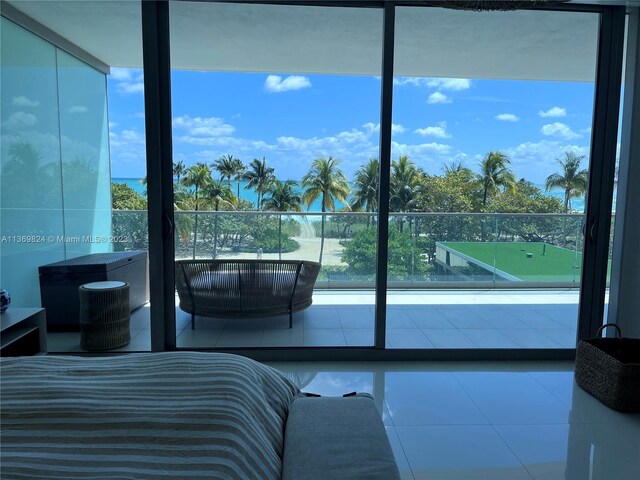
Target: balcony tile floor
point(488, 420)
point(435, 319)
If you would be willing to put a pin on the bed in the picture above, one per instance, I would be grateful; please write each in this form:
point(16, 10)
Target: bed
point(175, 415)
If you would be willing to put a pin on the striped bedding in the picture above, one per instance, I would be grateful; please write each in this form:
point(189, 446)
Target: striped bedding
point(177, 415)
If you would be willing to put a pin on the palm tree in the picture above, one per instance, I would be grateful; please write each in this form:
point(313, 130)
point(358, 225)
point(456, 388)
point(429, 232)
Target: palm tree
point(217, 193)
point(457, 169)
point(572, 180)
point(197, 176)
point(178, 170)
point(238, 172)
point(325, 180)
point(283, 197)
point(404, 186)
point(494, 174)
point(366, 187)
point(25, 177)
point(184, 199)
point(225, 165)
point(259, 177)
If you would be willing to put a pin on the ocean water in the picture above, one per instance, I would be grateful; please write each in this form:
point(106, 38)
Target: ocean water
point(245, 194)
point(577, 204)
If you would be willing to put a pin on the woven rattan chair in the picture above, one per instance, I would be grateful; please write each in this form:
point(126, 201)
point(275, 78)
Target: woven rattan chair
point(245, 288)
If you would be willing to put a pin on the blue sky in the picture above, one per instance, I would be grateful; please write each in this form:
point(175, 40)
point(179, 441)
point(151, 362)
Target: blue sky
point(292, 119)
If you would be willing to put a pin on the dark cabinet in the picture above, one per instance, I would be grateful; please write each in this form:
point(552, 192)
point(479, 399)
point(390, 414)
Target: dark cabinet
point(59, 283)
point(24, 332)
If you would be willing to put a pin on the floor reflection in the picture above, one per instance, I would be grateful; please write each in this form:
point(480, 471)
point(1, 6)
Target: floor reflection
point(488, 420)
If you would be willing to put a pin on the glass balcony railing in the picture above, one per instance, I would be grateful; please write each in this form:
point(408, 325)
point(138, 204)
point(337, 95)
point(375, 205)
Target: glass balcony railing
point(426, 250)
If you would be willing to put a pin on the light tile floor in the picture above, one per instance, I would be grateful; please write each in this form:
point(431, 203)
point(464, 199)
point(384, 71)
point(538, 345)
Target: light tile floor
point(492, 421)
point(434, 319)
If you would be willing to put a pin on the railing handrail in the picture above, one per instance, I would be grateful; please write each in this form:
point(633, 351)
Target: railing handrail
point(368, 214)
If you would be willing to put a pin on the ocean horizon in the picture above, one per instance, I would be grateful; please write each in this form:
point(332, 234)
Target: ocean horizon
point(577, 204)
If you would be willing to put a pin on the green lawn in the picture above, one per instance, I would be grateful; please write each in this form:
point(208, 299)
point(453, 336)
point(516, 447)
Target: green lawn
point(556, 265)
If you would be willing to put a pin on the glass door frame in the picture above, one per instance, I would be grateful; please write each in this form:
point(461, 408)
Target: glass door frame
point(157, 83)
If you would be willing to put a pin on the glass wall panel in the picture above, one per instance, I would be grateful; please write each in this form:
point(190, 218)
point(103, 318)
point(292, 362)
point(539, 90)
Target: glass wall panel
point(31, 177)
point(60, 149)
point(85, 156)
point(275, 137)
point(490, 157)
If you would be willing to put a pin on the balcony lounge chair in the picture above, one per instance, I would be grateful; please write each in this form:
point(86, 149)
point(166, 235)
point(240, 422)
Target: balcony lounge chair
point(245, 288)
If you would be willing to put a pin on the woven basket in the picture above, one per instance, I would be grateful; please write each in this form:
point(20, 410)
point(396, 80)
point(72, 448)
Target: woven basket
point(609, 369)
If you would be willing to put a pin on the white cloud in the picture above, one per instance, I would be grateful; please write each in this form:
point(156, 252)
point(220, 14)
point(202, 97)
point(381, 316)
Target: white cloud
point(371, 127)
point(129, 88)
point(412, 81)
point(438, 131)
point(507, 117)
point(21, 119)
point(23, 101)
point(415, 81)
point(553, 112)
point(128, 80)
point(415, 150)
point(292, 155)
point(429, 156)
point(536, 160)
point(203, 126)
point(78, 109)
point(276, 84)
point(132, 136)
point(438, 97)
point(122, 74)
point(455, 84)
point(127, 152)
point(558, 129)
point(324, 145)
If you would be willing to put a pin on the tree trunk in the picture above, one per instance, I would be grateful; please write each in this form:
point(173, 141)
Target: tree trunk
point(195, 232)
point(280, 237)
point(215, 232)
point(215, 236)
point(238, 190)
point(322, 232)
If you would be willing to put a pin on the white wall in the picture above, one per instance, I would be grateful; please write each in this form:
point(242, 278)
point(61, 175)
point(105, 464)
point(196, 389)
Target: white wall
point(624, 297)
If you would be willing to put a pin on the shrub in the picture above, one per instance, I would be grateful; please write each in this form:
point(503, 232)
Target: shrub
point(405, 259)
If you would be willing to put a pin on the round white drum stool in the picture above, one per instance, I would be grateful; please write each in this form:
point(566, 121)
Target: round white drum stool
point(104, 315)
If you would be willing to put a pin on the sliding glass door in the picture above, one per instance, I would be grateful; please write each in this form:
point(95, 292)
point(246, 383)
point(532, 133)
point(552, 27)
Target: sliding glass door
point(275, 144)
point(489, 175)
point(495, 144)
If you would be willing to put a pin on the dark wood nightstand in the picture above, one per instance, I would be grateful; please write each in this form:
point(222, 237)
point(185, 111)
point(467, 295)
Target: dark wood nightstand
point(24, 332)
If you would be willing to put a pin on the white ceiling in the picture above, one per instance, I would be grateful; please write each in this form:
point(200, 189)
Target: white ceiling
point(431, 42)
